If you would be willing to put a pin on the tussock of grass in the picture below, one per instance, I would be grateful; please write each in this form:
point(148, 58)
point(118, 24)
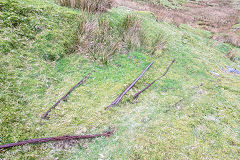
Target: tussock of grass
point(97, 41)
point(87, 5)
point(101, 37)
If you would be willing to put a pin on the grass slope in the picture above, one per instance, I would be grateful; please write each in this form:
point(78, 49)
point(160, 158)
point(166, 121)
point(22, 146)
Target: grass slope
point(190, 114)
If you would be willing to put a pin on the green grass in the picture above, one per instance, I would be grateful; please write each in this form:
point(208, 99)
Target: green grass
point(204, 125)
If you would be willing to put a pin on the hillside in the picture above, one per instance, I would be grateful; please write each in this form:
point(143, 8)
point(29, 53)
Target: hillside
point(191, 113)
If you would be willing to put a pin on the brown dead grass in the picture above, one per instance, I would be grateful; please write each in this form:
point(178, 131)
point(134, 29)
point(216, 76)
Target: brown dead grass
point(87, 5)
point(97, 42)
point(216, 16)
point(229, 37)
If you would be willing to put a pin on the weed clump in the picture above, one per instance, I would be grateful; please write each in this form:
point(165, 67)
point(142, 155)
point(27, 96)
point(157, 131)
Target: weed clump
point(100, 38)
point(87, 5)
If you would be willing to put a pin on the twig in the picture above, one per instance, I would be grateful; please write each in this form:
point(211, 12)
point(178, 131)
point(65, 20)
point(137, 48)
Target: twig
point(49, 139)
point(149, 85)
point(65, 96)
point(118, 99)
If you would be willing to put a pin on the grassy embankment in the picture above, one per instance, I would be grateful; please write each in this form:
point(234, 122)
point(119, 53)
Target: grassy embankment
point(190, 114)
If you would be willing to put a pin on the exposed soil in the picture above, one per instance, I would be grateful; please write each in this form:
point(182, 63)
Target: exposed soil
point(216, 16)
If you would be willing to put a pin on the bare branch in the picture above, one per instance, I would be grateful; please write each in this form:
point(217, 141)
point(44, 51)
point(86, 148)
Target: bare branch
point(52, 139)
point(149, 85)
point(65, 96)
point(118, 99)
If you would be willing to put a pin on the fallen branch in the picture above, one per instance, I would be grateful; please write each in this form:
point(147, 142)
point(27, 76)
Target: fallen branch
point(61, 138)
point(149, 85)
point(118, 99)
point(65, 96)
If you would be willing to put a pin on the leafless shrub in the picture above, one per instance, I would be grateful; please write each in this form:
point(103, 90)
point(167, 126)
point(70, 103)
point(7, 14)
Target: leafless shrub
point(87, 5)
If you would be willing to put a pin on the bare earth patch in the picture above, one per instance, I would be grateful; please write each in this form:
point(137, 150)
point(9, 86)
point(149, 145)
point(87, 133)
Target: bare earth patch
point(216, 16)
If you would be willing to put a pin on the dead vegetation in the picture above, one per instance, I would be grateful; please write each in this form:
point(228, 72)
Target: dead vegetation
point(87, 5)
point(99, 39)
point(216, 16)
point(231, 38)
point(95, 39)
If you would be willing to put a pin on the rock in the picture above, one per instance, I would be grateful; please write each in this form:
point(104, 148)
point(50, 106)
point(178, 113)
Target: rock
point(233, 70)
